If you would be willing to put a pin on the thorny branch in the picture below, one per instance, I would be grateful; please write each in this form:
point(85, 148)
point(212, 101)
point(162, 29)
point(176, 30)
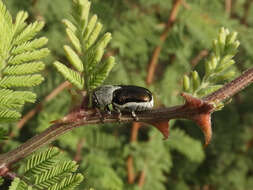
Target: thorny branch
point(198, 110)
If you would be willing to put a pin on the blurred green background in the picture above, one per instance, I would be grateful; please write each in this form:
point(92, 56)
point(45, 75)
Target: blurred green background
point(107, 152)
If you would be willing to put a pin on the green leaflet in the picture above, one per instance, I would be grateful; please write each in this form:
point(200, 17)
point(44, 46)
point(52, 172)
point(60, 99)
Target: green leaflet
point(68, 183)
point(25, 68)
point(18, 184)
point(21, 81)
point(72, 76)
point(88, 49)
point(15, 99)
point(20, 64)
point(45, 171)
point(218, 68)
point(29, 56)
point(73, 58)
point(28, 33)
point(195, 153)
point(42, 160)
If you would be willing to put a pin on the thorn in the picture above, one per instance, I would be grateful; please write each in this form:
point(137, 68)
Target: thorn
point(202, 116)
point(162, 126)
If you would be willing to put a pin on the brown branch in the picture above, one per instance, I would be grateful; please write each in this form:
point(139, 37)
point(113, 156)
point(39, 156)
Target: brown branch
point(86, 117)
point(194, 109)
point(157, 50)
point(228, 5)
point(79, 147)
point(231, 88)
point(130, 170)
point(142, 178)
point(130, 167)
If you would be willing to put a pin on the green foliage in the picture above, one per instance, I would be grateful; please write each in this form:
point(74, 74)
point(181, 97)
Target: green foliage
point(136, 26)
point(3, 134)
point(88, 70)
point(218, 68)
point(1, 181)
point(45, 170)
point(19, 62)
point(18, 184)
point(195, 154)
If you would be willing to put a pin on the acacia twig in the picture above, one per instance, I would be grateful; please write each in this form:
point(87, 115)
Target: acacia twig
point(194, 109)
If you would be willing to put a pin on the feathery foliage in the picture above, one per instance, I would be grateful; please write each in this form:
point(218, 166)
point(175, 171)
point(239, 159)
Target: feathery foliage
point(18, 184)
point(45, 170)
point(89, 71)
point(20, 53)
point(218, 68)
point(179, 163)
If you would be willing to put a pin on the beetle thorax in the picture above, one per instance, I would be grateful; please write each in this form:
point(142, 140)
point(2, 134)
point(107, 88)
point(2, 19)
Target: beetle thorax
point(104, 94)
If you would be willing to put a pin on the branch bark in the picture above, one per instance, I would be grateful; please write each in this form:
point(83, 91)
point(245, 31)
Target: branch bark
point(198, 110)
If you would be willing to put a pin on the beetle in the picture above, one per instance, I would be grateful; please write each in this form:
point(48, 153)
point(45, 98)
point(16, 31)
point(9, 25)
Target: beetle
point(127, 98)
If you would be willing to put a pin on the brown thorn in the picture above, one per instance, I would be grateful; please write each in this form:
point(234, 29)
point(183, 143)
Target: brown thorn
point(157, 50)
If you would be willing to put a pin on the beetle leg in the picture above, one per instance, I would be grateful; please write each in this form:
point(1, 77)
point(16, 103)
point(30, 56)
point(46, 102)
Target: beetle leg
point(107, 110)
point(119, 113)
point(134, 116)
point(101, 117)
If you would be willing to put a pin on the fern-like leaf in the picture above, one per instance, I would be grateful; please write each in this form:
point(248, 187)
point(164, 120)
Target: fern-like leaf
point(71, 75)
point(42, 161)
point(28, 33)
point(68, 183)
point(15, 99)
point(21, 81)
point(88, 49)
point(195, 153)
point(218, 68)
point(26, 68)
point(8, 115)
point(20, 64)
point(18, 184)
point(20, 23)
point(102, 72)
point(73, 58)
point(74, 40)
point(55, 174)
point(29, 56)
point(29, 46)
